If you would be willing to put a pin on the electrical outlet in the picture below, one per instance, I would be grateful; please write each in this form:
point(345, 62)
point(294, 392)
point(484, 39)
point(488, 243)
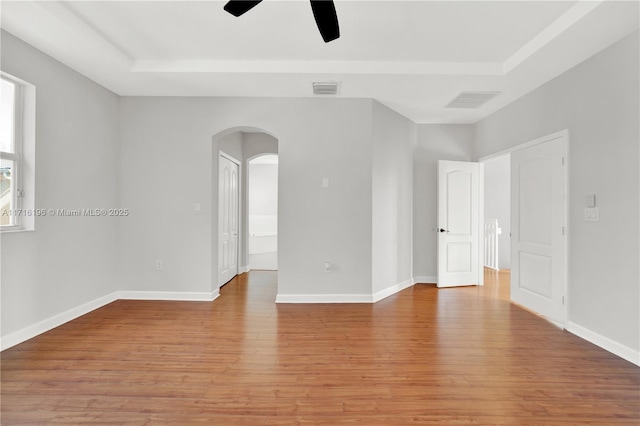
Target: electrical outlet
point(591, 214)
point(159, 265)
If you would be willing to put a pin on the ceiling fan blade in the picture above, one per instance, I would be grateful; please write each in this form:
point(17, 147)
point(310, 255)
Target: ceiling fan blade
point(324, 11)
point(240, 7)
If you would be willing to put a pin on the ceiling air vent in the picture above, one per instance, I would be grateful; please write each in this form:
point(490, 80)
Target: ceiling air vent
point(471, 99)
point(326, 88)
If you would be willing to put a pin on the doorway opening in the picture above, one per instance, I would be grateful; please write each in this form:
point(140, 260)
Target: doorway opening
point(233, 150)
point(497, 221)
point(537, 223)
point(262, 212)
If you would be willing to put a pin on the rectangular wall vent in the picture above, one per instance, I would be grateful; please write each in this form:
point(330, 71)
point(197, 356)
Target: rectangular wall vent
point(471, 99)
point(325, 88)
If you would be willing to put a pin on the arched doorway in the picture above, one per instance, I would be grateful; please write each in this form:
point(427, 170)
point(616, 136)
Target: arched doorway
point(239, 145)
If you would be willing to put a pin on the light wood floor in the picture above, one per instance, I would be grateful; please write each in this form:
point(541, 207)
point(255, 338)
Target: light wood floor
point(451, 356)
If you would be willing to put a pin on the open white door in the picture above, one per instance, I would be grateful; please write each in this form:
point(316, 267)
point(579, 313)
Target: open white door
point(458, 223)
point(228, 203)
point(538, 224)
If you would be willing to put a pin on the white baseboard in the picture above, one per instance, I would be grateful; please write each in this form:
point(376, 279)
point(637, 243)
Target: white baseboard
point(57, 320)
point(191, 296)
point(391, 290)
point(243, 269)
point(612, 346)
point(324, 298)
point(64, 317)
point(343, 298)
point(425, 279)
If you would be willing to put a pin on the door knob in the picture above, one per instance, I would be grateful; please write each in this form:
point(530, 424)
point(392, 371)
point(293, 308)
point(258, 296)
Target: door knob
point(443, 230)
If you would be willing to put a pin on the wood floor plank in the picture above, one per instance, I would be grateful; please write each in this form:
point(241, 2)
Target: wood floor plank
point(422, 356)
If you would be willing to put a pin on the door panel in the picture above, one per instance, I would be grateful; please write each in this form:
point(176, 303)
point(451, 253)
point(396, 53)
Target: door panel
point(459, 200)
point(459, 257)
point(536, 185)
point(228, 204)
point(458, 219)
point(535, 274)
point(538, 218)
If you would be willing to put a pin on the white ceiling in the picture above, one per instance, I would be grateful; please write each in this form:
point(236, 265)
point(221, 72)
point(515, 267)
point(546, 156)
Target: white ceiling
point(413, 56)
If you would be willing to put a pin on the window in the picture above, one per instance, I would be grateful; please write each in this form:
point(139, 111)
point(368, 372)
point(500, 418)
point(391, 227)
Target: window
point(17, 138)
point(10, 144)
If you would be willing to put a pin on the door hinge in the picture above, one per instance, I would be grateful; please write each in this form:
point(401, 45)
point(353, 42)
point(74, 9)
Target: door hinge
point(563, 161)
point(562, 300)
point(20, 193)
point(563, 230)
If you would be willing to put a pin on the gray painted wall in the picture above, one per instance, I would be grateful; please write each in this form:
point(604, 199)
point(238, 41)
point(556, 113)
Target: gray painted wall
point(258, 143)
point(597, 101)
point(67, 261)
point(392, 169)
point(316, 138)
point(232, 145)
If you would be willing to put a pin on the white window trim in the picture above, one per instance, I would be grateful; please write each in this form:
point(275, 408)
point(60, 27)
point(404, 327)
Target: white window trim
point(24, 106)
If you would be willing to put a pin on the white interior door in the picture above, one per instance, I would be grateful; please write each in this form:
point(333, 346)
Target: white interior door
point(538, 224)
point(458, 223)
point(228, 218)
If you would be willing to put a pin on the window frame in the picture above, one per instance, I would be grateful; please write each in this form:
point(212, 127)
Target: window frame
point(16, 156)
